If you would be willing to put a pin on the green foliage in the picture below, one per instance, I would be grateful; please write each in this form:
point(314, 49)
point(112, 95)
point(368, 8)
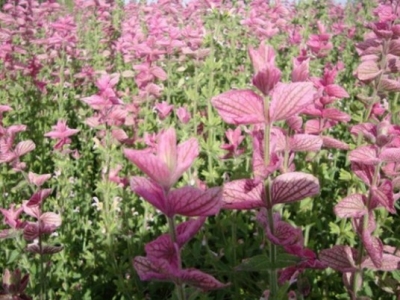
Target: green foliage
point(105, 225)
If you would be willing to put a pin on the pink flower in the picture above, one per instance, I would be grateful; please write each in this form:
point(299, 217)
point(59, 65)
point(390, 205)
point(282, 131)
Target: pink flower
point(183, 115)
point(11, 216)
point(162, 260)
point(61, 133)
point(169, 162)
point(235, 138)
point(163, 109)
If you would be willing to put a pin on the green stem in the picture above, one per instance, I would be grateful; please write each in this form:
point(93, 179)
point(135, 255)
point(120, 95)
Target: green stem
point(42, 273)
point(287, 152)
point(365, 219)
point(273, 274)
point(234, 242)
point(377, 81)
point(180, 292)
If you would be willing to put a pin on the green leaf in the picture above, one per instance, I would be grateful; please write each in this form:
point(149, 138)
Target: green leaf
point(261, 263)
point(344, 175)
point(283, 290)
point(13, 256)
point(334, 228)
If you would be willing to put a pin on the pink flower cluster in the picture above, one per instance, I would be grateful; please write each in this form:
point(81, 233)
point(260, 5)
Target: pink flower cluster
point(164, 165)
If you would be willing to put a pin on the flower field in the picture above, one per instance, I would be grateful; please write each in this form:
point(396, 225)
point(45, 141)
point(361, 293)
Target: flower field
point(213, 149)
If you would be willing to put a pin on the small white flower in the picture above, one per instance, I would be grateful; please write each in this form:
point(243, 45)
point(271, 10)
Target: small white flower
point(97, 203)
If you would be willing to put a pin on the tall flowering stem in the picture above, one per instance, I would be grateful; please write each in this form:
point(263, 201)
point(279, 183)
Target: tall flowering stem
point(375, 159)
point(280, 101)
point(164, 165)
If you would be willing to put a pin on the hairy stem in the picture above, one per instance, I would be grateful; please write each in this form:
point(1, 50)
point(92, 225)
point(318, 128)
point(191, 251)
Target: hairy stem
point(180, 292)
point(273, 274)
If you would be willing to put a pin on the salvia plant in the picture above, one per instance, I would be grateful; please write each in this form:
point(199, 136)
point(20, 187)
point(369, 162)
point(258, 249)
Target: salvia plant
point(164, 165)
point(199, 149)
point(279, 102)
point(374, 161)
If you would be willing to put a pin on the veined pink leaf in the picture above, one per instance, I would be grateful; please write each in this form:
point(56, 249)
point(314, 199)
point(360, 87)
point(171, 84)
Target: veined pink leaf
point(391, 250)
point(352, 206)
point(243, 194)
point(24, 147)
point(305, 142)
point(396, 197)
point(396, 183)
point(394, 47)
point(159, 73)
point(51, 219)
point(295, 123)
point(389, 263)
point(201, 280)
point(312, 110)
point(365, 155)
point(45, 249)
point(4, 108)
point(368, 70)
point(330, 142)
point(334, 90)
point(38, 197)
point(190, 201)
point(284, 234)
point(97, 102)
point(162, 248)
point(364, 172)
point(13, 129)
point(266, 79)
point(151, 165)
point(37, 179)
point(166, 148)
point(390, 85)
point(340, 258)
point(294, 186)
point(368, 130)
point(148, 270)
point(119, 134)
point(300, 71)
point(312, 127)
point(374, 248)
point(383, 196)
point(262, 56)
point(279, 138)
point(187, 230)
point(187, 152)
point(335, 114)
point(171, 160)
point(31, 231)
point(7, 157)
point(390, 155)
point(150, 191)
point(11, 215)
point(289, 99)
point(358, 225)
point(32, 210)
point(239, 107)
